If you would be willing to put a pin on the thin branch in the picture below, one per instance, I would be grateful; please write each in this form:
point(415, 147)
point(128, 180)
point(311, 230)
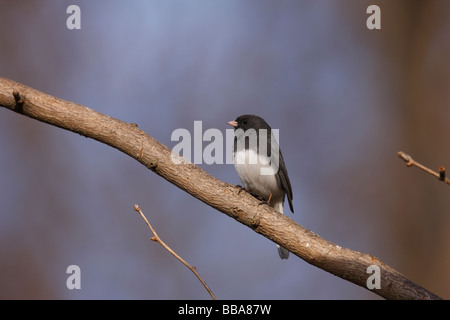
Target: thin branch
point(157, 239)
point(411, 162)
point(345, 263)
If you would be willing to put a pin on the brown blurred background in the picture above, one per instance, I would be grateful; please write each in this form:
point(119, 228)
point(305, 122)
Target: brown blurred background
point(345, 99)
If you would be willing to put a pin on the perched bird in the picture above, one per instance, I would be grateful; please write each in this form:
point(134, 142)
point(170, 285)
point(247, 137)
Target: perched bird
point(260, 165)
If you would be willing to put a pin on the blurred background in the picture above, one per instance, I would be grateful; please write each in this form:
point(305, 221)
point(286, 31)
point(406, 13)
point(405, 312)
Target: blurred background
point(344, 97)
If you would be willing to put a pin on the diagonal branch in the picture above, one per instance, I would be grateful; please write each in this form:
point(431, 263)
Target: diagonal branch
point(411, 162)
point(159, 240)
point(244, 208)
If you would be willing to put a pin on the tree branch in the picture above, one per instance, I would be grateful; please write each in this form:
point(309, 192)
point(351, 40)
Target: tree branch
point(128, 138)
point(411, 162)
point(157, 239)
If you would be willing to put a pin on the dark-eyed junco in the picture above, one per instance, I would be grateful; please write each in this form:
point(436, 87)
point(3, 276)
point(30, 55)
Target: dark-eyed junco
point(260, 165)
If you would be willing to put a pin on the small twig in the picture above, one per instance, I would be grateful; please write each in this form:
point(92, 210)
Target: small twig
point(157, 239)
point(411, 162)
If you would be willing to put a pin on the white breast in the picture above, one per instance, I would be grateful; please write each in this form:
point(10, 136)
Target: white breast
point(250, 174)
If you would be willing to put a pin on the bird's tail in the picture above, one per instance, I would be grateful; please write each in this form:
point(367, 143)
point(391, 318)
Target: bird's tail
point(284, 253)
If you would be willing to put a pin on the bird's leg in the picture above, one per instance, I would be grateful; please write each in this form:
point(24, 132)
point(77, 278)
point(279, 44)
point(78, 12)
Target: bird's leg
point(240, 188)
point(265, 201)
point(262, 201)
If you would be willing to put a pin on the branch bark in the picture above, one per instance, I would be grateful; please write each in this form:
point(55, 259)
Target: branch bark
point(244, 208)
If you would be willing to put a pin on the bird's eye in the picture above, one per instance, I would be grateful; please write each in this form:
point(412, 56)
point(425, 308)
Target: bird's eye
point(244, 121)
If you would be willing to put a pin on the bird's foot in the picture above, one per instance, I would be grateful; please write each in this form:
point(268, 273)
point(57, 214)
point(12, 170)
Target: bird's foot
point(240, 188)
point(263, 201)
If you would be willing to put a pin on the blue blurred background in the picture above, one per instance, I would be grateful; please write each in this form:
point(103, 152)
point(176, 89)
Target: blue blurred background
point(344, 97)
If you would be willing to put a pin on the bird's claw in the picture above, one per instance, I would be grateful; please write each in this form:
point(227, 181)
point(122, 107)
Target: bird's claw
point(240, 188)
point(262, 201)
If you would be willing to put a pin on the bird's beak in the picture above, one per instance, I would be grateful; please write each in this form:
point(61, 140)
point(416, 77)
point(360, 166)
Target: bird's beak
point(232, 123)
